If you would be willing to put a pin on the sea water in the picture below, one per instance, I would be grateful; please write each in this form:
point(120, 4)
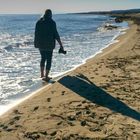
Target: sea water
point(82, 35)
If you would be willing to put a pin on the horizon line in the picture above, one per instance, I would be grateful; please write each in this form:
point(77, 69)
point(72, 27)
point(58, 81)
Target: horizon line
point(69, 12)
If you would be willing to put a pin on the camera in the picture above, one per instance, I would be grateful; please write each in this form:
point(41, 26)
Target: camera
point(62, 51)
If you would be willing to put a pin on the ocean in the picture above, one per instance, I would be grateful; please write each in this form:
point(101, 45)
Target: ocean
point(83, 36)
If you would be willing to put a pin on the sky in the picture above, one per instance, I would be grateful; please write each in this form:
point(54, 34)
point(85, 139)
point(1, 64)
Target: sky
point(64, 6)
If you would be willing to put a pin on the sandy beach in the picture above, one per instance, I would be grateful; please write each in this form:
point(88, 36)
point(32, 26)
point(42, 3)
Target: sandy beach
point(98, 100)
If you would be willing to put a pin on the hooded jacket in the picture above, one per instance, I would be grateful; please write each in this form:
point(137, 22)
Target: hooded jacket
point(45, 34)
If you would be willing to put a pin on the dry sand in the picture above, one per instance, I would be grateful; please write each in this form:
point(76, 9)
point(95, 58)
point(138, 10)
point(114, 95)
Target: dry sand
point(98, 100)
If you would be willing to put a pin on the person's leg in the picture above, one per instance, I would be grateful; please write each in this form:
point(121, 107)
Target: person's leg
point(42, 62)
point(49, 62)
point(41, 71)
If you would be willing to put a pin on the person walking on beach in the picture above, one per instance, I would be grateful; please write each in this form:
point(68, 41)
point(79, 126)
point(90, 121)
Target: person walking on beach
point(45, 36)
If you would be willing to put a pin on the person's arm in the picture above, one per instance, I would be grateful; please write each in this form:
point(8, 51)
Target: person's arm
point(57, 37)
point(37, 35)
point(60, 43)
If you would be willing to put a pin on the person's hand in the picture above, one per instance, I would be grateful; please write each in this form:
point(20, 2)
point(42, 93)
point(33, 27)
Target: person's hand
point(61, 50)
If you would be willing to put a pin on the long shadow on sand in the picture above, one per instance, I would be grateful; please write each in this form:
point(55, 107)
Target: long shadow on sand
point(85, 88)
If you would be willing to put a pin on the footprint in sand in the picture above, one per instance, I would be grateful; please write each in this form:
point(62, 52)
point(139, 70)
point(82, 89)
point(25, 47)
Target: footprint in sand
point(83, 123)
point(35, 108)
point(111, 72)
point(53, 92)
point(63, 92)
point(48, 99)
point(53, 133)
point(17, 112)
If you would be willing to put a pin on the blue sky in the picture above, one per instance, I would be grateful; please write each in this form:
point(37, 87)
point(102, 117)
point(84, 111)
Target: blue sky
point(64, 6)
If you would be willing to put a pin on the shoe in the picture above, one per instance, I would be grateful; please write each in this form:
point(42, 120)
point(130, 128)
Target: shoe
point(46, 79)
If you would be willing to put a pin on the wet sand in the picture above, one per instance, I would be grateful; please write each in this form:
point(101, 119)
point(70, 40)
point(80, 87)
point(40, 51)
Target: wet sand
point(98, 100)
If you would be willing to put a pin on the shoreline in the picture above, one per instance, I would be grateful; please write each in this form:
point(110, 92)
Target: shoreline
point(41, 85)
point(98, 99)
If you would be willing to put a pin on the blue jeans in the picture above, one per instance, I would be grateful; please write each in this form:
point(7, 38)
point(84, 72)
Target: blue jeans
point(46, 57)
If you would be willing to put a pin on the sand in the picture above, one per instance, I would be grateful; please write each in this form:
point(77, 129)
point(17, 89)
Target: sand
point(98, 100)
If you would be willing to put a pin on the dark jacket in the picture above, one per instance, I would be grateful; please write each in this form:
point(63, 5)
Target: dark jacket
point(45, 34)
